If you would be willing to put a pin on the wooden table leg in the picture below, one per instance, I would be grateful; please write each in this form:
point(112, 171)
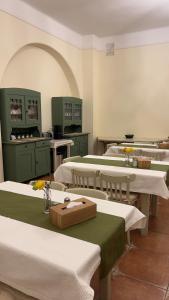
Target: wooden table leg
point(106, 288)
point(154, 206)
point(145, 209)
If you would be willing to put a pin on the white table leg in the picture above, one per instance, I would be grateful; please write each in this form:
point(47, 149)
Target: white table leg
point(68, 150)
point(106, 288)
point(54, 159)
point(145, 209)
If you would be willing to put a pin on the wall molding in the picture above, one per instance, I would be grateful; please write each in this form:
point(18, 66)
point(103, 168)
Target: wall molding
point(26, 13)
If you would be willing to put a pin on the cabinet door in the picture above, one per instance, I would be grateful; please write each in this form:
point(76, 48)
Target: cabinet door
point(67, 112)
point(83, 139)
point(32, 110)
point(42, 160)
point(25, 161)
point(75, 149)
point(77, 112)
point(16, 109)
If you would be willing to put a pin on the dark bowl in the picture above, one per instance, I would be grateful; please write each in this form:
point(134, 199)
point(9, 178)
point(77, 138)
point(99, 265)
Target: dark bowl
point(129, 136)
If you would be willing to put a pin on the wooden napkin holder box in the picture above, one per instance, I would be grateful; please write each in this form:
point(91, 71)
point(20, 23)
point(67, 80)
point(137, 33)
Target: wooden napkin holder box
point(163, 145)
point(144, 163)
point(63, 217)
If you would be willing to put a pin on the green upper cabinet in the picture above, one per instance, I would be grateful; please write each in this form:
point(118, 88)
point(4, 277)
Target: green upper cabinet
point(19, 108)
point(32, 109)
point(66, 114)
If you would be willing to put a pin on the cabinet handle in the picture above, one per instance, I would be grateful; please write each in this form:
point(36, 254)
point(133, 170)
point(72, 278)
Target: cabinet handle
point(26, 146)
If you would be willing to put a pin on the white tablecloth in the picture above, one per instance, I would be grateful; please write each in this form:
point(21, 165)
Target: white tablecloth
point(146, 182)
point(62, 142)
point(115, 149)
point(51, 266)
point(140, 144)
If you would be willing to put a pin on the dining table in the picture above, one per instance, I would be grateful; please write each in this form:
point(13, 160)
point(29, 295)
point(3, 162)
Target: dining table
point(50, 264)
point(163, 154)
point(148, 182)
point(104, 141)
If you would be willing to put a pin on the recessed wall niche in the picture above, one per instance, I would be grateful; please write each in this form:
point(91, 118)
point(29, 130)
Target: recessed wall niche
point(40, 68)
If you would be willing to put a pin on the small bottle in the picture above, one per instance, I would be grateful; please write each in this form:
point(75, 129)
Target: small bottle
point(135, 162)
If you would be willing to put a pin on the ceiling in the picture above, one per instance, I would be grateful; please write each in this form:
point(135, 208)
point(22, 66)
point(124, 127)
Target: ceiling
point(106, 17)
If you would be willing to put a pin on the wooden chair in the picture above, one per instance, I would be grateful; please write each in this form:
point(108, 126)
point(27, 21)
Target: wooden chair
point(71, 158)
point(89, 192)
point(85, 179)
point(154, 155)
point(118, 188)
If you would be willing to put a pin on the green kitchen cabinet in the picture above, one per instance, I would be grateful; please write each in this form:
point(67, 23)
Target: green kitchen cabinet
point(66, 115)
point(67, 123)
point(25, 161)
point(19, 109)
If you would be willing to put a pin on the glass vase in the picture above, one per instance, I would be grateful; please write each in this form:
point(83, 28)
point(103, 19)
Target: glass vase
point(127, 161)
point(47, 198)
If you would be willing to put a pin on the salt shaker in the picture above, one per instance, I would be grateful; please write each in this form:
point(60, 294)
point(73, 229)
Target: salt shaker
point(66, 199)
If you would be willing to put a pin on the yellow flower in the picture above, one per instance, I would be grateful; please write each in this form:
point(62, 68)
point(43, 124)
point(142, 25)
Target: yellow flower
point(128, 150)
point(38, 185)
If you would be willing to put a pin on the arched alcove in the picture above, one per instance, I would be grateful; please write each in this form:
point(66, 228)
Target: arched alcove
point(40, 67)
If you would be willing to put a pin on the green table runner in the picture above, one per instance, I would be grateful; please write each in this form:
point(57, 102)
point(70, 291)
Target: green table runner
point(107, 231)
point(120, 163)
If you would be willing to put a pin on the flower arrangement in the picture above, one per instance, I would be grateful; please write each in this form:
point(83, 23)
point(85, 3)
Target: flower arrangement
point(127, 151)
point(38, 185)
point(45, 186)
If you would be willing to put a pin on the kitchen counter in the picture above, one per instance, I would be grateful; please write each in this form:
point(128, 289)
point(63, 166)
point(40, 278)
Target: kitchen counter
point(27, 140)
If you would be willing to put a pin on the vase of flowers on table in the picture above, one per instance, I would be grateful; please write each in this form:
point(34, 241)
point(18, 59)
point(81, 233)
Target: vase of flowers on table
point(45, 186)
point(127, 151)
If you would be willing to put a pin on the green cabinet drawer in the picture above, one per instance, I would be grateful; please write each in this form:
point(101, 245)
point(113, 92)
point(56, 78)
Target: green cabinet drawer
point(42, 144)
point(24, 147)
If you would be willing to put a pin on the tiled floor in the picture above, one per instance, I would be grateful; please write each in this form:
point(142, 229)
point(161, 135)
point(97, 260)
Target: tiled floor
point(144, 269)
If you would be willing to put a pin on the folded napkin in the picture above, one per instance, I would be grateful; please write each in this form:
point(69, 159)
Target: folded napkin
point(73, 204)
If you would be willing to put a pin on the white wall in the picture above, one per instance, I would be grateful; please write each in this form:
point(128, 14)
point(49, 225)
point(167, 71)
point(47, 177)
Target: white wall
point(132, 92)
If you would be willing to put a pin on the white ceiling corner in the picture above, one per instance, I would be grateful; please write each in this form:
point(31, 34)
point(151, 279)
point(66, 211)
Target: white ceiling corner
point(93, 24)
